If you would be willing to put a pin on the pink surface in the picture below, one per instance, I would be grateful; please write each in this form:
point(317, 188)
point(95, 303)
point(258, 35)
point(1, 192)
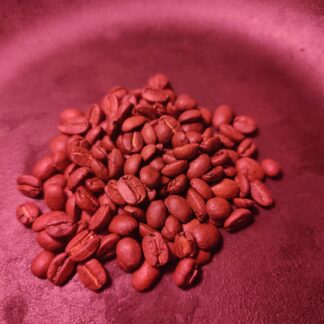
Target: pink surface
point(263, 58)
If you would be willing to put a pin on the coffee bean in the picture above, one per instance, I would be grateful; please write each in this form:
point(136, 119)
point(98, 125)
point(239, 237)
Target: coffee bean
point(60, 161)
point(123, 225)
point(116, 163)
point(95, 185)
point(27, 213)
point(199, 166)
point(99, 170)
point(129, 254)
point(214, 175)
point(130, 143)
point(177, 185)
point(261, 194)
point(150, 177)
point(244, 124)
point(145, 229)
point(135, 212)
point(72, 209)
point(155, 249)
point(251, 168)
point(158, 164)
point(100, 218)
point(240, 218)
point(222, 115)
point(185, 273)
point(60, 226)
point(186, 152)
point(113, 193)
point(60, 269)
point(148, 152)
point(185, 102)
point(95, 115)
point(193, 127)
point(57, 179)
point(184, 245)
point(218, 209)
point(92, 274)
point(80, 156)
point(246, 148)
point(133, 164)
point(171, 228)
point(203, 257)
point(44, 168)
point(132, 123)
point(154, 95)
point(226, 189)
point(41, 263)
point(48, 243)
point(179, 208)
point(197, 204)
point(202, 188)
point(83, 245)
point(55, 197)
point(231, 133)
point(58, 143)
point(207, 236)
point(107, 247)
point(131, 189)
point(77, 177)
point(156, 214)
point(86, 200)
point(271, 168)
point(243, 203)
point(145, 277)
point(175, 168)
point(29, 185)
point(158, 81)
point(69, 113)
point(210, 145)
point(189, 116)
point(39, 223)
point(220, 158)
point(148, 134)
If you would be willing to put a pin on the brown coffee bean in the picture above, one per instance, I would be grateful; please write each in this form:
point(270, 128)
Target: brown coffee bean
point(60, 160)
point(243, 203)
point(185, 273)
point(156, 214)
point(171, 227)
point(148, 134)
point(157, 163)
point(41, 263)
point(60, 226)
point(135, 212)
point(73, 125)
point(40, 222)
point(92, 274)
point(86, 200)
point(72, 209)
point(177, 185)
point(202, 188)
point(251, 168)
point(179, 208)
point(58, 143)
point(193, 127)
point(95, 115)
point(207, 236)
point(80, 156)
point(60, 269)
point(220, 158)
point(98, 151)
point(229, 171)
point(57, 179)
point(154, 95)
point(69, 113)
point(210, 145)
point(185, 102)
point(193, 137)
point(218, 209)
point(99, 170)
point(93, 134)
point(48, 243)
point(132, 123)
point(232, 155)
point(244, 124)
point(131, 189)
point(148, 152)
point(113, 193)
point(199, 166)
point(227, 189)
point(244, 184)
point(179, 139)
point(230, 132)
point(129, 254)
point(186, 152)
point(130, 143)
point(100, 218)
point(150, 177)
point(55, 197)
point(238, 219)
point(246, 148)
point(29, 185)
point(107, 247)
point(213, 175)
point(185, 245)
point(190, 116)
point(95, 185)
point(133, 164)
point(203, 257)
point(83, 245)
point(197, 204)
point(261, 194)
point(155, 249)
point(123, 225)
point(175, 168)
point(158, 81)
point(27, 213)
point(271, 168)
point(145, 277)
point(223, 114)
point(206, 115)
point(44, 168)
point(116, 163)
point(144, 229)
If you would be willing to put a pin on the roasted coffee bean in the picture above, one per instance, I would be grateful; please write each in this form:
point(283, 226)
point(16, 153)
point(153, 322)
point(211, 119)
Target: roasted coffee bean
point(185, 102)
point(116, 163)
point(60, 226)
point(41, 263)
point(69, 113)
point(57, 179)
point(165, 128)
point(39, 223)
point(207, 236)
point(130, 143)
point(27, 213)
point(29, 185)
point(144, 229)
point(271, 168)
point(177, 185)
point(223, 114)
point(186, 152)
point(72, 209)
point(94, 134)
point(202, 188)
point(179, 139)
point(226, 142)
point(193, 127)
point(86, 200)
point(95, 185)
point(179, 208)
point(244, 184)
point(44, 168)
point(206, 115)
point(261, 194)
point(131, 189)
point(244, 124)
point(100, 218)
point(246, 148)
point(154, 95)
point(148, 152)
point(148, 134)
point(135, 212)
point(197, 204)
point(251, 168)
point(107, 247)
point(113, 193)
point(55, 197)
point(218, 209)
point(220, 158)
point(95, 115)
point(81, 156)
point(189, 116)
point(210, 145)
point(226, 189)
point(98, 151)
point(74, 125)
point(155, 249)
point(132, 123)
point(48, 243)
point(83, 245)
point(193, 137)
point(171, 228)
point(213, 175)
point(185, 245)
point(145, 277)
point(158, 81)
point(133, 164)
point(129, 254)
point(123, 225)
point(60, 161)
point(230, 132)
point(229, 171)
point(99, 170)
point(185, 273)
point(203, 257)
point(175, 168)
point(156, 214)
point(157, 163)
point(150, 177)
point(60, 269)
point(199, 166)
point(92, 274)
point(240, 218)
point(58, 143)
point(243, 203)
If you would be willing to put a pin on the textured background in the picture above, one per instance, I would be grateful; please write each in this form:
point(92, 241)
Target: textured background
point(264, 58)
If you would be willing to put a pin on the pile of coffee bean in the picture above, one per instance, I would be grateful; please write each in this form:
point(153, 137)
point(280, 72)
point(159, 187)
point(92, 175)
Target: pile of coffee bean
point(145, 176)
